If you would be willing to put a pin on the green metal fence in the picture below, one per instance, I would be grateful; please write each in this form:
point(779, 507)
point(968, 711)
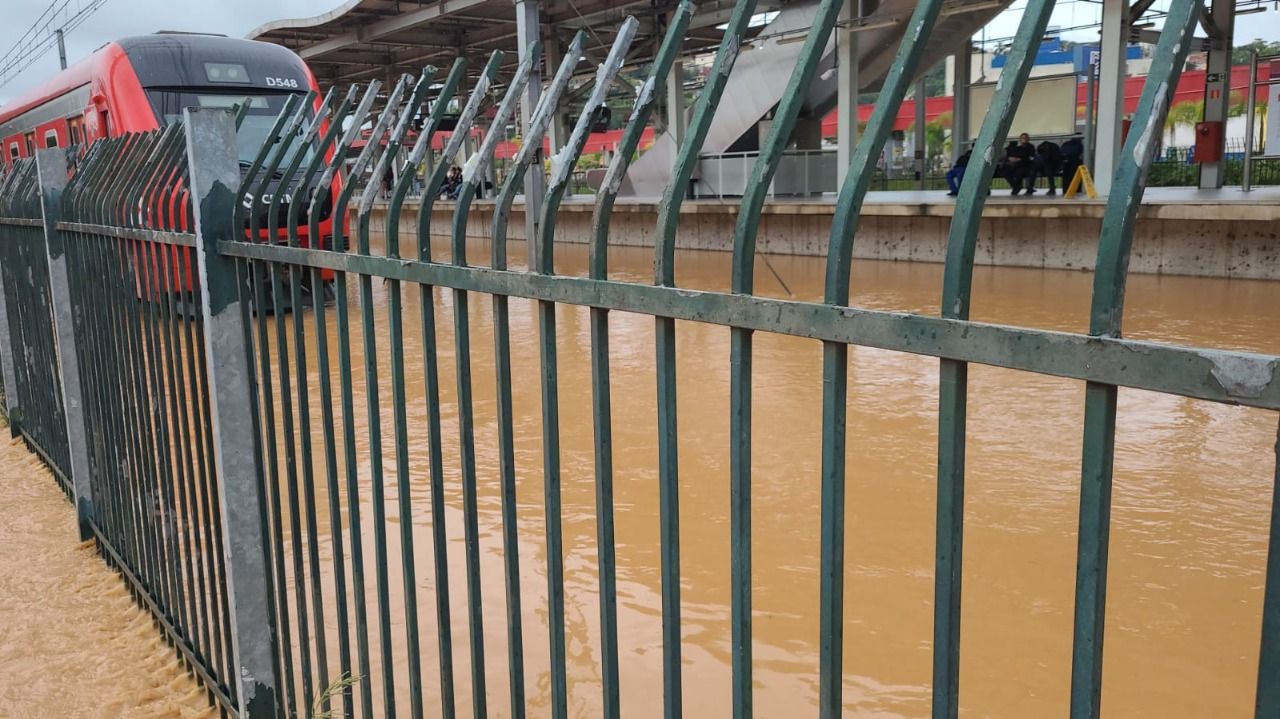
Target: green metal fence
point(32, 380)
point(231, 473)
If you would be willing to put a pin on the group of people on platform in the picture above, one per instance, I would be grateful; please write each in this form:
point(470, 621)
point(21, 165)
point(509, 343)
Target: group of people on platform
point(449, 189)
point(1024, 163)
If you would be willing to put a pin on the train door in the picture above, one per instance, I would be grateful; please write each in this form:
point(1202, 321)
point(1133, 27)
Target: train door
point(75, 130)
point(30, 140)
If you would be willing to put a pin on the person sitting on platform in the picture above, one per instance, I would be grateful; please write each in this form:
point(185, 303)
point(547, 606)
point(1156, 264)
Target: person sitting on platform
point(1049, 158)
point(1021, 159)
point(452, 184)
point(1072, 159)
point(956, 174)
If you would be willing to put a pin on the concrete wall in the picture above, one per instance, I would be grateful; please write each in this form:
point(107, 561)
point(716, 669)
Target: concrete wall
point(1240, 240)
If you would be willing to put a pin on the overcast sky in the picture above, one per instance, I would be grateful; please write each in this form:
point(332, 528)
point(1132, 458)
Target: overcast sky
point(121, 18)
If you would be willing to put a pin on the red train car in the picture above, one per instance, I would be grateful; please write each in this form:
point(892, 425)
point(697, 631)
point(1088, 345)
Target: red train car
point(143, 83)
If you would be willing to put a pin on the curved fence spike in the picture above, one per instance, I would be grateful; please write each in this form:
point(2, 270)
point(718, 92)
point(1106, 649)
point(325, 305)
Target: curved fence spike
point(531, 147)
point(457, 136)
point(1110, 276)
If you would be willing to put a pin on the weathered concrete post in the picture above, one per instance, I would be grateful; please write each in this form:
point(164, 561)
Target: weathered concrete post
point(215, 175)
point(52, 169)
point(528, 30)
point(1220, 22)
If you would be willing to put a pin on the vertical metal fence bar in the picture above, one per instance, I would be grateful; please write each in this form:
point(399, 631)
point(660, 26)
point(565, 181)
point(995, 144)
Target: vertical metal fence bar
point(41, 420)
point(141, 476)
point(10, 306)
point(121, 407)
point(347, 400)
point(297, 442)
point(372, 404)
point(155, 452)
point(372, 401)
point(214, 175)
point(476, 167)
point(743, 282)
point(284, 144)
point(103, 457)
point(7, 371)
point(653, 87)
point(179, 276)
point(296, 276)
point(165, 528)
point(524, 157)
point(157, 493)
point(1268, 696)
point(197, 622)
point(395, 322)
point(318, 196)
point(835, 356)
point(543, 262)
point(957, 287)
point(15, 346)
point(1105, 320)
point(166, 525)
point(52, 169)
point(427, 327)
point(664, 275)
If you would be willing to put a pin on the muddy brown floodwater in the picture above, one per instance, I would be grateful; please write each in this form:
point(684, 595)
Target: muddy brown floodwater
point(1191, 504)
point(73, 644)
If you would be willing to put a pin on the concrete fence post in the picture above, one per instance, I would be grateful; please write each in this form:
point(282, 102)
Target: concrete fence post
point(215, 175)
point(51, 165)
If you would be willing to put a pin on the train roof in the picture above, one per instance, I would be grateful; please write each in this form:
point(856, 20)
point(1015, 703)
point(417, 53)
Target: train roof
point(161, 51)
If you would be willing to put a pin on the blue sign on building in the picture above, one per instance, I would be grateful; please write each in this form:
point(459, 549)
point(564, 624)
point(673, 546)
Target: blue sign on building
point(1079, 57)
point(1085, 55)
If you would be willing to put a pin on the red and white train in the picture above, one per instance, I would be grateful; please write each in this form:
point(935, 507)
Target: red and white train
point(143, 83)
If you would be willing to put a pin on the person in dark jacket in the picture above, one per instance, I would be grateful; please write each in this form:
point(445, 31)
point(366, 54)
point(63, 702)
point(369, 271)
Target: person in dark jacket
point(1049, 158)
point(1021, 160)
point(452, 184)
point(1072, 159)
point(956, 174)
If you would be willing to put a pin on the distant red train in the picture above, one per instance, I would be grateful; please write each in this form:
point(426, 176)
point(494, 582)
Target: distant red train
point(143, 83)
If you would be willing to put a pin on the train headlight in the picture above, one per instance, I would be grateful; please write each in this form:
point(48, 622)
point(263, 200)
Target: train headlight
point(226, 72)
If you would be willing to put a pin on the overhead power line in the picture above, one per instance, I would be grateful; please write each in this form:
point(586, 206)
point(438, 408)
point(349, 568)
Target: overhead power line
point(40, 38)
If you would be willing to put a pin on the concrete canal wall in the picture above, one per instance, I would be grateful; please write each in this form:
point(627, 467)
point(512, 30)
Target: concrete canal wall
point(1186, 237)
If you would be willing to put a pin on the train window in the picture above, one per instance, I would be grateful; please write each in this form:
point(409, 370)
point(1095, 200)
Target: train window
point(226, 102)
point(51, 138)
point(263, 110)
point(14, 153)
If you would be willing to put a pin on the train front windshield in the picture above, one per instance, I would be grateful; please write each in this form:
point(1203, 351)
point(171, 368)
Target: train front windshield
point(254, 131)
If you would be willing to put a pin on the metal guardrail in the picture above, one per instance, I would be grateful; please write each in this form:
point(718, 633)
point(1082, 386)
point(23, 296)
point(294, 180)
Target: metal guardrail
point(800, 173)
point(226, 485)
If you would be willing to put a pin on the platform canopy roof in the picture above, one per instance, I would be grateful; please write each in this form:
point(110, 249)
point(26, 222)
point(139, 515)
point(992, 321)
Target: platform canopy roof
point(367, 39)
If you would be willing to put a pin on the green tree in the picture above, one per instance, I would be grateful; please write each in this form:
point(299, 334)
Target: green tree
point(1186, 113)
point(1240, 55)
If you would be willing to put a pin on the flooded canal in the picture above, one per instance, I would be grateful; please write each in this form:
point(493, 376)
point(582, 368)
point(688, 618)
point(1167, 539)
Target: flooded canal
point(1191, 504)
